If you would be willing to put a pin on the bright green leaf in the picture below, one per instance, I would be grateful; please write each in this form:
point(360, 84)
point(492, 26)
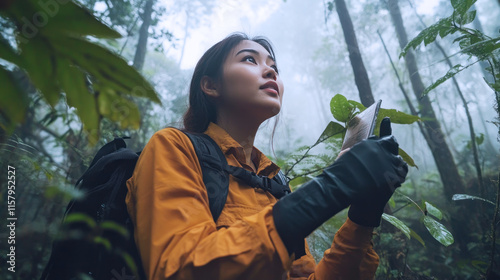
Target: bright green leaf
point(398, 224)
point(341, 109)
point(470, 197)
point(434, 211)
point(438, 231)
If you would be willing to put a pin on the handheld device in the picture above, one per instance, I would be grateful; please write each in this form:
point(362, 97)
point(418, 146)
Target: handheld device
point(361, 126)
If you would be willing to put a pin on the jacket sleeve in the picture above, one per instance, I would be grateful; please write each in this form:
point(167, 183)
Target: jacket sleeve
point(174, 230)
point(350, 257)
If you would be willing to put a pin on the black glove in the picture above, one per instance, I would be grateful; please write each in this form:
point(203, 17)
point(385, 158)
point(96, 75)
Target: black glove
point(368, 212)
point(367, 169)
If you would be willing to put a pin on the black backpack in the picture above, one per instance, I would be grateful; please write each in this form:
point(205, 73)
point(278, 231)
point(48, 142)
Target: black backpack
point(96, 237)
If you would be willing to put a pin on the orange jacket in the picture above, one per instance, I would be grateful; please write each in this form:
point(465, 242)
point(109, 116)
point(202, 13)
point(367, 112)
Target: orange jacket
point(177, 237)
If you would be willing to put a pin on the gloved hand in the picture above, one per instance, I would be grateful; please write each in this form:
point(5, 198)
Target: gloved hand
point(368, 212)
point(370, 168)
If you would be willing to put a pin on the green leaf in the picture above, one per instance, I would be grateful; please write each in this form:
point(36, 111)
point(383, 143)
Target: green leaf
point(13, 103)
point(72, 81)
point(111, 70)
point(443, 26)
point(407, 158)
point(466, 18)
point(398, 224)
point(68, 192)
point(417, 237)
point(113, 226)
point(451, 73)
point(103, 241)
point(434, 211)
point(392, 202)
point(480, 139)
point(470, 197)
point(462, 6)
point(59, 18)
point(7, 53)
point(438, 231)
point(119, 109)
point(40, 64)
point(80, 218)
point(298, 181)
point(331, 130)
point(397, 116)
point(341, 109)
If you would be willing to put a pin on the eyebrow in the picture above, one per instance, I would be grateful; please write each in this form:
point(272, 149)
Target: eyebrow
point(255, 52)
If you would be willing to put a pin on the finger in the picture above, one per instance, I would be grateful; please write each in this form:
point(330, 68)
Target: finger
point(385, 127)
point(390, 143)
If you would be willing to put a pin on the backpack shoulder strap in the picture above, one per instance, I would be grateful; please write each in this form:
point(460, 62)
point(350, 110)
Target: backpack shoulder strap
point(213, 163)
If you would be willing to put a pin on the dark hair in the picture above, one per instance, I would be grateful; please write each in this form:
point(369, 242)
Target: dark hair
point(202, 109)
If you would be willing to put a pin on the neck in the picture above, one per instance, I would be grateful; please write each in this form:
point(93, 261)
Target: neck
point(242, 130)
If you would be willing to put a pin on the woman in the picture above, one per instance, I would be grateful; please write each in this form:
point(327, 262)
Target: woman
point(235, 87)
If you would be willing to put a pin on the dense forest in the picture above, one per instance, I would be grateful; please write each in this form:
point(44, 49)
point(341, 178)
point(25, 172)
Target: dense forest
point(77, 73)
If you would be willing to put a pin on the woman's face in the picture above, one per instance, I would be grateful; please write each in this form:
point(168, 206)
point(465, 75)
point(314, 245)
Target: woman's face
point(251, 84)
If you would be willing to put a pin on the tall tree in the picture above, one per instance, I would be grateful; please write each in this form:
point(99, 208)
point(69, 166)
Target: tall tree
point(358, 67)
point(142, 43)
point(452, 182)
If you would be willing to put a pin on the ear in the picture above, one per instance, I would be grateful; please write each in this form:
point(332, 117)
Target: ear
point(209, 87)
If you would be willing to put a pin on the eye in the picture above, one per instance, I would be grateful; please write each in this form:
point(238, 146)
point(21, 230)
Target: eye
point(275, 68)
point(250, 59)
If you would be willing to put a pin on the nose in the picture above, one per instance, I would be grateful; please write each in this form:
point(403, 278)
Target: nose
point(269, 72)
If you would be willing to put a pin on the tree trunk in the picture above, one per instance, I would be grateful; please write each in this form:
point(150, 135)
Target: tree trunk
point(452, 182)
point(142, 44)
point(360, 75)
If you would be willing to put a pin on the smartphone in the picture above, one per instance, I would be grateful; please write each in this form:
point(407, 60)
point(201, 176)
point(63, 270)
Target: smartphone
point(361, 126)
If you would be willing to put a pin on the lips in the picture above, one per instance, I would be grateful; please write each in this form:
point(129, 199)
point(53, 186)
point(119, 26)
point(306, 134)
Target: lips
point(271, 86)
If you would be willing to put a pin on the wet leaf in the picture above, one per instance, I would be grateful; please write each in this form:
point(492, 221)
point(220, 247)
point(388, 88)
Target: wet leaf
point(471, 197)
point(341, 109)
point(398, 224)
point(438, 231)
point(434, 211)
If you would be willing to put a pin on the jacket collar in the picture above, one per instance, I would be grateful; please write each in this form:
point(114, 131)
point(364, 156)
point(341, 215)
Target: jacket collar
point(230, 146)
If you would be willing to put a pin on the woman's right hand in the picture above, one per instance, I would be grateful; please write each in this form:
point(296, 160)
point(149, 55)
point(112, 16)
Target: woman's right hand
point(369, 170)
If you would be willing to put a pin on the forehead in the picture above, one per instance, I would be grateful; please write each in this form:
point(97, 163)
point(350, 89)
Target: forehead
point(248, 44)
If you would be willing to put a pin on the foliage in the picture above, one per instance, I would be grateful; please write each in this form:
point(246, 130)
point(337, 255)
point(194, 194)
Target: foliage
point(57, 56)
point(472, 43)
